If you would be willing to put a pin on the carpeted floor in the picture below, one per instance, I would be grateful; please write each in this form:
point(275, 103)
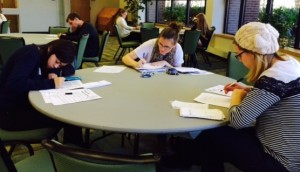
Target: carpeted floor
point(148, 143)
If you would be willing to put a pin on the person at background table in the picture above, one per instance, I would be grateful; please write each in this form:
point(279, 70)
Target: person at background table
point(30, 68)
point(202, 25)
point(79, 28)
point(264, 121)
point(162, 51)
point(2, 18)
point(127, 33)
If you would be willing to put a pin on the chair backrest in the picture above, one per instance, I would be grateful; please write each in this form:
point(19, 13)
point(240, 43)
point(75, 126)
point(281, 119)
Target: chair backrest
point(190, 41)
point(5, 26)
point(148, 25)
point(58, 29)
point(6, 164)
point(8, 45)
point(235, 69)
point(208, 36)
point(103, 43)
point(81, 48)
point(149, 33)
point(71, 159)
point(117, 29)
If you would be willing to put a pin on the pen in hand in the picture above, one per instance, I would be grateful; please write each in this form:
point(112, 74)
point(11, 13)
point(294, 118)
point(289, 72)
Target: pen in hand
point(237, 81)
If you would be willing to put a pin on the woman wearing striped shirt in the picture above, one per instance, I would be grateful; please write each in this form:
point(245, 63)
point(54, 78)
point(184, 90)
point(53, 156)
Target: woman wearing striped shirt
point(264, 120)
point(272, 106)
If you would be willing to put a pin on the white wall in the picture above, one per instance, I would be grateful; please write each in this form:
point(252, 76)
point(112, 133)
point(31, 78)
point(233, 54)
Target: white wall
point(215, 13)
point(38, 15)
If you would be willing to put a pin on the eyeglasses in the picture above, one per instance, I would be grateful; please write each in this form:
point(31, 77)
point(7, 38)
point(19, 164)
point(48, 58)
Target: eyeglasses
point(238, 56)
point(164, 46)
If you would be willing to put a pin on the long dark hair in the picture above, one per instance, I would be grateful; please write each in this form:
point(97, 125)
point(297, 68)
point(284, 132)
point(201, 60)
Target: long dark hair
point(64, 50)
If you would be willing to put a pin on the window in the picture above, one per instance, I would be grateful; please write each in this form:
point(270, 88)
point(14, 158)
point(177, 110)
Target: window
point(163, 11)
point(281, 14)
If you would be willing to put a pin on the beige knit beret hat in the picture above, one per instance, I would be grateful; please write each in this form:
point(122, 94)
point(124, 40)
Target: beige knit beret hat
point(258, 37)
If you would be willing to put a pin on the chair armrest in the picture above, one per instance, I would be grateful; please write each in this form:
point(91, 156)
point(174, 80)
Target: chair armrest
point(82, 153)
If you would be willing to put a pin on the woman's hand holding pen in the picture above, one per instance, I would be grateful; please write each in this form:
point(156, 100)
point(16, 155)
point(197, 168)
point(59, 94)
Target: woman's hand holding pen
point(52, 76)
point(231, 86)
point(140, 63)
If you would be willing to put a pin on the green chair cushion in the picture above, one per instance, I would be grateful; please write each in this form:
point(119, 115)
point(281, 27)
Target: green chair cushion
point(28, 135)
point(40, 161)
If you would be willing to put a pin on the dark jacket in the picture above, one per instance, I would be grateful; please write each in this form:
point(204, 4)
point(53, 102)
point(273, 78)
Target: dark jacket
point(92, 46)
point(23, 73)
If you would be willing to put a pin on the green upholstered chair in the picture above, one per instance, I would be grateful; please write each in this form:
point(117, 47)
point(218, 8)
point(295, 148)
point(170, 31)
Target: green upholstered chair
point(58, 29)
point(103, 43)
point(148, 25)
point(71, 159)
point(189, 47)
point(147, 34)
point(124, 45)
point(26, 137)
point(236, 69)
point(81, 48)
point(41, 161)
point(205, 45)
point(8, 45)
point(5, 26)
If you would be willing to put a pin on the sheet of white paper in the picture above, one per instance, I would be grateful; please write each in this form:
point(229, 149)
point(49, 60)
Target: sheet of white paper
point(96, 84)
point(214, 114)
point(214, 99)
point(178, 104)
point(72, 84)
point(110, 69)
point(149, 66)
point(62, 96)
point(219, 89)
point(190, 70)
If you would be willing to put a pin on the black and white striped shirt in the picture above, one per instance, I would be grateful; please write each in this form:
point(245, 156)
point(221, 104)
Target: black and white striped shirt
point(274, 106)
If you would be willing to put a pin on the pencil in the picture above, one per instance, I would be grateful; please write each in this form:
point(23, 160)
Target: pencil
point(237, 81)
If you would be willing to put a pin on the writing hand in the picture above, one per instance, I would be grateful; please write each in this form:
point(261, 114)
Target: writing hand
point(58, 81)
point(141, 62)
point(52, 76)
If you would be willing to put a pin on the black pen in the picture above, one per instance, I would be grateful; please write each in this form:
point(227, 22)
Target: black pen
point(237, 81)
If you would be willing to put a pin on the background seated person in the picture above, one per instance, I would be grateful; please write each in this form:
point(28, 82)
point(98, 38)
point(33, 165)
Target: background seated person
point(79, 28)
point(2, 18)
point(126, 31)
point(28, 69)
point(201, 25)
point(162, 51)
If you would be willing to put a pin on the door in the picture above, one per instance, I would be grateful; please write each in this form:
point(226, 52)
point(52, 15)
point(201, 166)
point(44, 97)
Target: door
point(82, 8)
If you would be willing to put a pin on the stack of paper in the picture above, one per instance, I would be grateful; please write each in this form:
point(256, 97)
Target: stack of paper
point(214, 99)
point(148, 67)
point(197, 110)
point(190, 70)
point(219, 89)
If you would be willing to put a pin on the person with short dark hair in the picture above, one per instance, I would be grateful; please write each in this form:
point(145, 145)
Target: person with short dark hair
point(162, 51)
point(79, 28)
point(34, 67)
